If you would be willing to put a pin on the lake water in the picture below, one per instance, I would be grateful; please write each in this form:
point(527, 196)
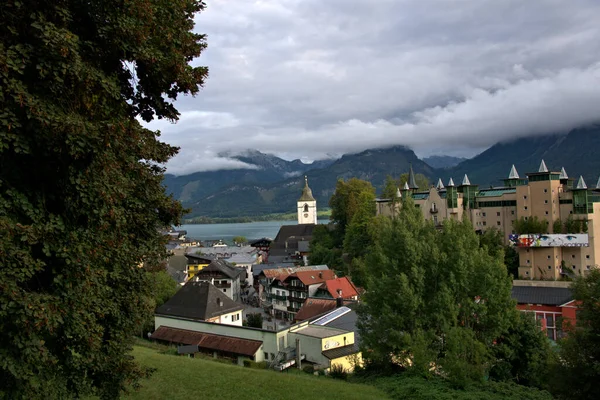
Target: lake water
point(226, 232)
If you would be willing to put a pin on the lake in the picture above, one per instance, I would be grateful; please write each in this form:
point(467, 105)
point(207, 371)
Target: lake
point(226, 232)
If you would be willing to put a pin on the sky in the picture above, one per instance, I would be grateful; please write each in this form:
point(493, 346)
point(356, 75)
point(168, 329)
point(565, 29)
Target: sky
point(312, 79)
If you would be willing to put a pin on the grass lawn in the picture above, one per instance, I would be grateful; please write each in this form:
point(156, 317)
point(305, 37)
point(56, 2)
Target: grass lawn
point(187, 378)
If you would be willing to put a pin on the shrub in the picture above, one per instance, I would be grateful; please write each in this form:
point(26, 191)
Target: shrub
point(337, 371)
point(309, 369)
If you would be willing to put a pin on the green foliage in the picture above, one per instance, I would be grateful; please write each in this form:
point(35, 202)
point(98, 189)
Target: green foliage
point(391, 185)
point(524, 354)
point(346, 201)
point(575, 225)
point(424, 280)
point(579, 371)
point(239, 240)
point(337, 371)
point(357, 238)
point(255, 320)
point(466, 357)
point(530, 225)
point(557, 226)
point(412, 387)
point(309, 369)
point(163, 287)
point(81, 201)
point(323, 250)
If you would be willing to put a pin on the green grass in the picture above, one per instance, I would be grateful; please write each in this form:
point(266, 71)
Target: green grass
point(179, 377)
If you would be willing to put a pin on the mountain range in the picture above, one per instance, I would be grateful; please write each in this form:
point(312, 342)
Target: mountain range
point(274, 185)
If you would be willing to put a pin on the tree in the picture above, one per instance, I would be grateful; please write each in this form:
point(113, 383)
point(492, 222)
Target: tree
point(428, 283)
point(391, 185)
point(579, 370)
point(345, 202)
point(240, 240)
point(357, 238)
point(81, 201)
point(255, 320)
point(530, 225)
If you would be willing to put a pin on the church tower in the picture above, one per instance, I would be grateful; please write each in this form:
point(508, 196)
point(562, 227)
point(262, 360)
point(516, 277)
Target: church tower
point(307, 206)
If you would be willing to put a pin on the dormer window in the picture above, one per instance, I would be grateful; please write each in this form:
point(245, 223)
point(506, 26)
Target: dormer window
point(433, 207)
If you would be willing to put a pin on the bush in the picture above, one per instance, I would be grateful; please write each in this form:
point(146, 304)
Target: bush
point(255, 320)
point(309, 369)
point(255, 365)
point(337, 371)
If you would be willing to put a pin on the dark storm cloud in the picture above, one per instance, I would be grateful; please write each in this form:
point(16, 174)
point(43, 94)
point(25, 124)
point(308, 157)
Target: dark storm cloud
point(308, 78)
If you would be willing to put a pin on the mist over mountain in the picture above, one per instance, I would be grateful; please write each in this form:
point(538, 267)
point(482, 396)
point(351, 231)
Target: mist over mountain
point(274, 185)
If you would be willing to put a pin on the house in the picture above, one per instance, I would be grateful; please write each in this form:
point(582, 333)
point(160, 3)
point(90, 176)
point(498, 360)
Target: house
point(287, 293)
point(224, 276)
point(338, 287)
point(196, 262)
point(550, 302)
point(245, 260)
point(202, 301)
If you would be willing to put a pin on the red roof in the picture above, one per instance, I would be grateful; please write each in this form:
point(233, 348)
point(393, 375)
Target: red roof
point(344, 284)
point(207, 341)
point(312, 277)
point(313, 307)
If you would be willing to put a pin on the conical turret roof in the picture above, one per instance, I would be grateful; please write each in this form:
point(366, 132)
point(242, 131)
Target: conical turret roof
point(405, 186)
point(398, 194)
point(466, 181)
point(306, 192)
point(439, 185)
point(543, 167)
point(598, 184)
point(450, 182)
point(581, 183)
point(563, 174)
point(412, 183)
point(513, 174)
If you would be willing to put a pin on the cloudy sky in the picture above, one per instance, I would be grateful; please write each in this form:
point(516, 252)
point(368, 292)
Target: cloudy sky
point(310, 78)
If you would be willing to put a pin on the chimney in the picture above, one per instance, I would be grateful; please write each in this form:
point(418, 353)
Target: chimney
point(219, 302)
point(339, 302)
point(320, 275)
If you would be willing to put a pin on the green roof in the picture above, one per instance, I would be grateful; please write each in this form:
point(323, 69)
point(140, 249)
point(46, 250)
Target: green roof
point(495, 192)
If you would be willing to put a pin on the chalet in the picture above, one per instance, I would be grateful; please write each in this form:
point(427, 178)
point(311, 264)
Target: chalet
point(202, 301)
point(338, 288)
point(224, 276)
point(288, 293)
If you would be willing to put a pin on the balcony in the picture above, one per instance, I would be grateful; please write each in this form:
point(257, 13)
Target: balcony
point(300, 297)
point(278, 297)
point(223, 285)
point(293, 309)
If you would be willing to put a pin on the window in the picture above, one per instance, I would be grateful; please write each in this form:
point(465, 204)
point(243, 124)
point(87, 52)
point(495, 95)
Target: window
point(498, 214)
point(545, 201)
point(483, 214)
point(525, 207)
point(484, 223)
point(545, 190)
point(546, 212)
point(498, 223)
point(528, 262)
point(549, 266)
point(572, 255)
point(526, 272)
point(587, 267)
point(277, 292)
point(550, 328)
point(587, 256)
point(266, 356)
point(512, 212)
point(235, 317)
point(548, 257)
point(224, 290)
point(574, 267)
point(524, 197)
point(306, 208)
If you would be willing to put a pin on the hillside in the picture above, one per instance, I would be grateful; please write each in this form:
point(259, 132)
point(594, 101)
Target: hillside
point(577, 152)
point(256, 199)
point(441, 162)
point(190, 378)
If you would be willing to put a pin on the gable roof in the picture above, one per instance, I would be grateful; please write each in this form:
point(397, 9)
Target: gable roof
point(283, 273)
point(222, 267)
point(550, 296)
point(312, 277)
point(193, 257)
point(343, 284)
point(198, 300)
point(313, 307)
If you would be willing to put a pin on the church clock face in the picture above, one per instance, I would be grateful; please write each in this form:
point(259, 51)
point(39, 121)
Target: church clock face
point(305, 215)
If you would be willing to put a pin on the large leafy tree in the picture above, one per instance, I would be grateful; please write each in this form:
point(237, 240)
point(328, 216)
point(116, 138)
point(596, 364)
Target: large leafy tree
point(579, 370)
point(81, 200)
point(425, 286)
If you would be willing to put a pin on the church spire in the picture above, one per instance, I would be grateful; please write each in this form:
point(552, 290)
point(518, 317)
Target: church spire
point(412, 183)
point(513, 174)
point(306, 192)
point(543, 167)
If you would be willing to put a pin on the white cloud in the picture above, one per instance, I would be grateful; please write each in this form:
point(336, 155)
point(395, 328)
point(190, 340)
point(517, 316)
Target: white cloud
point(305, 78)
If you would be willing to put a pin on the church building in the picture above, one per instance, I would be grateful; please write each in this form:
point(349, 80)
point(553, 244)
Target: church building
point(307, 206)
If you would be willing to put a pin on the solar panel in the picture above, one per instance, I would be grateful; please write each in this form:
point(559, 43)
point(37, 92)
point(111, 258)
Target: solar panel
point(338, 312)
